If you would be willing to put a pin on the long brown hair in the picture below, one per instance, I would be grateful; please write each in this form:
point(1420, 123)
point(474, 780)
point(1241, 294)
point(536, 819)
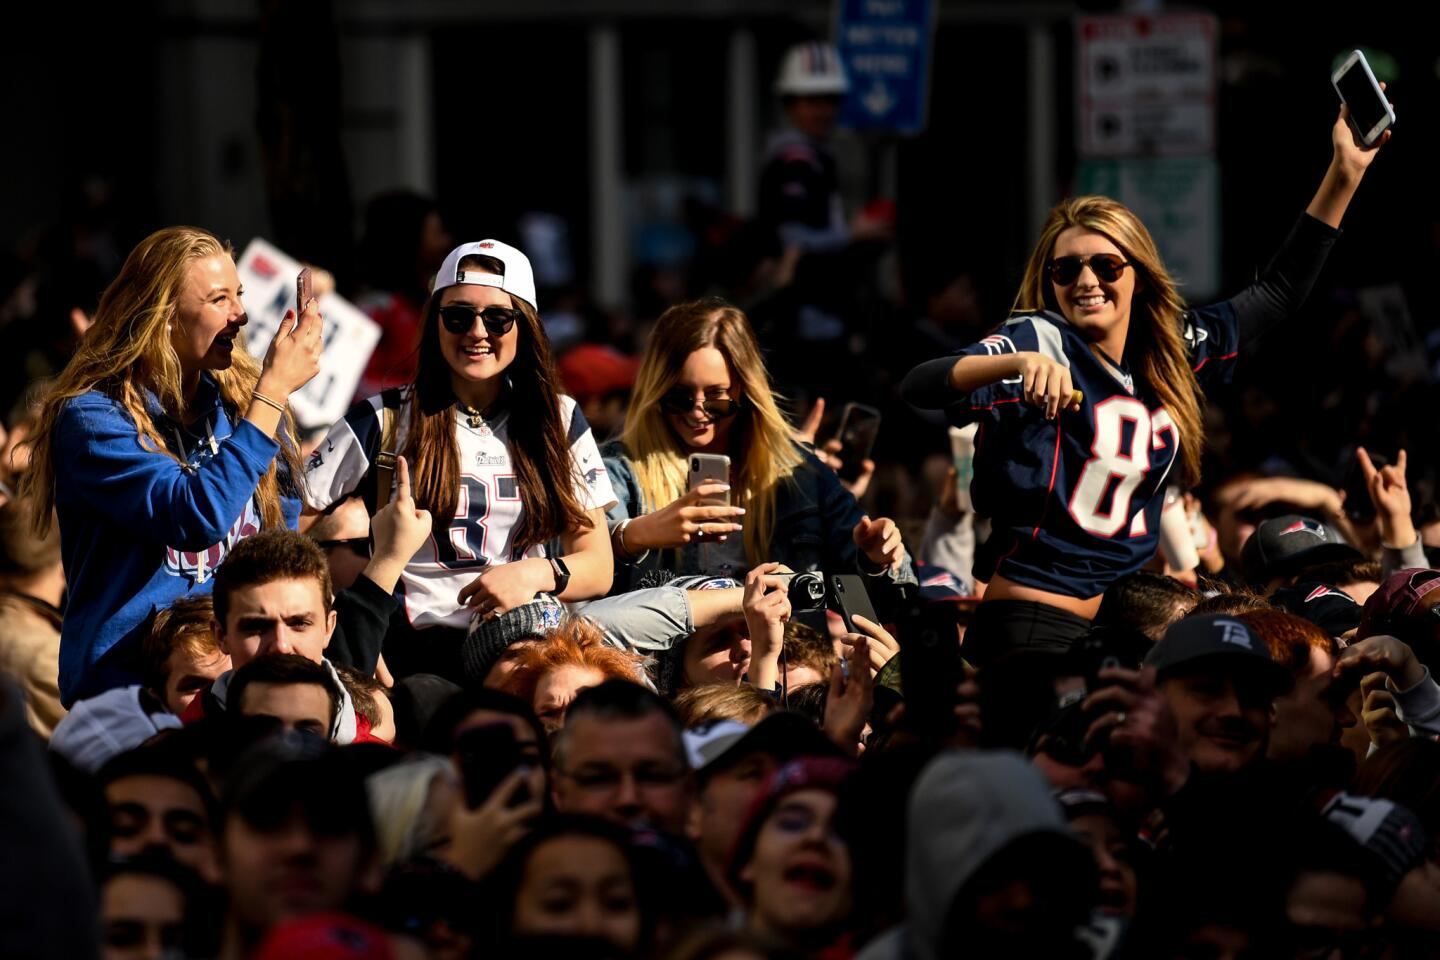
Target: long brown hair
point(128, 356)
point(1155, 341)
point(539, 439)
point(763, 437)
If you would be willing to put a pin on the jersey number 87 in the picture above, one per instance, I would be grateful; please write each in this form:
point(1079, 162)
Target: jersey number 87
point(1118, 467)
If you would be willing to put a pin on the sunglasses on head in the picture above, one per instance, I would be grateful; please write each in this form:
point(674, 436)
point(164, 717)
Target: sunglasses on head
point(460, 318)
point(680, 401)
point(1107, 268)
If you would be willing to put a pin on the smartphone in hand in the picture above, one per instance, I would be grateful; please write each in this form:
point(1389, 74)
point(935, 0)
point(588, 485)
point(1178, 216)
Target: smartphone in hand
point(858, 426)
point(1370, 113)
point(304, 290)
point(848, 598)
point(710, 468)
point(488, 754)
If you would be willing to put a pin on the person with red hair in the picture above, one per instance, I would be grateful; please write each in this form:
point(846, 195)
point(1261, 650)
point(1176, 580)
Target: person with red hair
point(548, 674)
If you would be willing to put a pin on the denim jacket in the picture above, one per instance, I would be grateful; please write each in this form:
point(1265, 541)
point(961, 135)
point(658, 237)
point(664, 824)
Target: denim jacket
point(814, 517)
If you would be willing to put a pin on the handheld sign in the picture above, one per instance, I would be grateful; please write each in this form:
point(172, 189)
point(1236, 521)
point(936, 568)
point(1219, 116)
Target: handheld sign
point(268, 275)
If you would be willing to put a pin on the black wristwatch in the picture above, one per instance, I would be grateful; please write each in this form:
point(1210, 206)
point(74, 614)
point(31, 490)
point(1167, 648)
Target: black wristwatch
point(562, 575)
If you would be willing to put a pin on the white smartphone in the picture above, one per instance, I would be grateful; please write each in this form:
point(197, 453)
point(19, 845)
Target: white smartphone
point(1370, 113)
point(710, 468)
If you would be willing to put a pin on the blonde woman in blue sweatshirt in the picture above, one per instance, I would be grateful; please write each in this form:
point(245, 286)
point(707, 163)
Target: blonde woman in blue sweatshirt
point(161, 445)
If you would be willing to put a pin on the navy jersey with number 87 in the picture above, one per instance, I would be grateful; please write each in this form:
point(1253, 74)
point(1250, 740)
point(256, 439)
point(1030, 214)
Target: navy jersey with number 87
point(1075, 502)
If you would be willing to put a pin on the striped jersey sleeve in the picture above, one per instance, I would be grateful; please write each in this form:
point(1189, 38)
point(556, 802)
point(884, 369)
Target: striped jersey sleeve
point(342, 459)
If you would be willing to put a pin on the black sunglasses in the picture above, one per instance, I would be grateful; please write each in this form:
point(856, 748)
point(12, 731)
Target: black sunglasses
point(460, 318)
point(680, 401)
point(360, 546)
point(1107, 268)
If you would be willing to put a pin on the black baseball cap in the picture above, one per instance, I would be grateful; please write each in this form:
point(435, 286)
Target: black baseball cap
point(1223, 639)
point(1328, 607)
point(1288, 544)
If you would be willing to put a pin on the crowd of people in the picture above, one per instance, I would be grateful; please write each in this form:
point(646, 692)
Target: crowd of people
point(545, 652)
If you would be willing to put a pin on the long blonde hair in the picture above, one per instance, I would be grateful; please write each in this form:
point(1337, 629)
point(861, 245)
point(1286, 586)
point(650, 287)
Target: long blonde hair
point(762, 440)
point(127, 355)
point(1154, 342)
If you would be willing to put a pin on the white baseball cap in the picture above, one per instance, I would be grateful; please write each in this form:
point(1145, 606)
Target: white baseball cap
point(107, 725)
point(811, 70)
point(518, 279)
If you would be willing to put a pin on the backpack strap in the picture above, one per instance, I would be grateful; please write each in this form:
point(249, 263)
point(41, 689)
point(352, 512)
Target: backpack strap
point(384, 467)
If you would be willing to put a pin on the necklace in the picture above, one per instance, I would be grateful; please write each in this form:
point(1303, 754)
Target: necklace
point(472, 416)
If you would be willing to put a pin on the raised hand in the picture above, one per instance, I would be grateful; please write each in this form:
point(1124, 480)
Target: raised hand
point(878, 642)
point(830, 453)
point(1379, 712)
point(1349, 151)
point(1143, 738)
point(847, 708)
point(1389, 655)
point(399, 527)
point(1390, 494)
point(810, 426)
point(767, 609)
point(880, 541)
point(480, 838)
point(294, 354)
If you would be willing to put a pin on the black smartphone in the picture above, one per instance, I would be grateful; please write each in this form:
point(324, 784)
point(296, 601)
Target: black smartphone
point(858, 426)
point(930, 667)
point(1370, 113)
point(848, 597)
point(488, 754)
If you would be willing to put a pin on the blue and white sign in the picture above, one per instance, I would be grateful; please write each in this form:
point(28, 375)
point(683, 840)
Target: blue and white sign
point(268, 276)
point(885, 46)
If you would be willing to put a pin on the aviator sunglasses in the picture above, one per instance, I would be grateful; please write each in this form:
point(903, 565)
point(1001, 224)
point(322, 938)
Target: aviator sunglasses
point(1107, 268)
point(460, 317)
point(680, 401)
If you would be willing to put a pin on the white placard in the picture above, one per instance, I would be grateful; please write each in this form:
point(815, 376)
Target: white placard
point(1146, 84)
point(268, 275)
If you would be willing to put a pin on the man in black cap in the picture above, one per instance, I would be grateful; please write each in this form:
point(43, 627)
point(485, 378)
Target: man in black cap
point(1220, 683)
point(1328, 607)
point(297, 836)
point(1282, 547)
point(731, 762)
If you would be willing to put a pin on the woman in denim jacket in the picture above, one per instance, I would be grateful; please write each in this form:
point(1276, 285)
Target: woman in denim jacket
point(703, 388)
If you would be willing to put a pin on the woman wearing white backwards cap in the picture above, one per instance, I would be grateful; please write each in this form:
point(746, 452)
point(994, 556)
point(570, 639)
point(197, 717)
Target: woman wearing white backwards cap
point(505, 464)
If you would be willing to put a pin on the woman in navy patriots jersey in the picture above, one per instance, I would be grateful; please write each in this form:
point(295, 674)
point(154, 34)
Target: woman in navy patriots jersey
point(1089, 403)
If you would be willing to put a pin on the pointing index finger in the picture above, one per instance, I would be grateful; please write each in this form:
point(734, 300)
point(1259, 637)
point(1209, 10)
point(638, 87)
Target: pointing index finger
point(402, 480)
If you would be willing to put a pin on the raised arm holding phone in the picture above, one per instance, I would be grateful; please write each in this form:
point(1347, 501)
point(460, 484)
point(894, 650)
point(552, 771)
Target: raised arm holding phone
point(1089, 395)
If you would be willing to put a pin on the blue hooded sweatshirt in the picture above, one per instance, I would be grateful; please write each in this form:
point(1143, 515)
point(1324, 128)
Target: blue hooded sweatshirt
point(138, 530)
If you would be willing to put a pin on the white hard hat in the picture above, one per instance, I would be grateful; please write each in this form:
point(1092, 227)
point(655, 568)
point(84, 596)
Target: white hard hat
point(812, 70)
